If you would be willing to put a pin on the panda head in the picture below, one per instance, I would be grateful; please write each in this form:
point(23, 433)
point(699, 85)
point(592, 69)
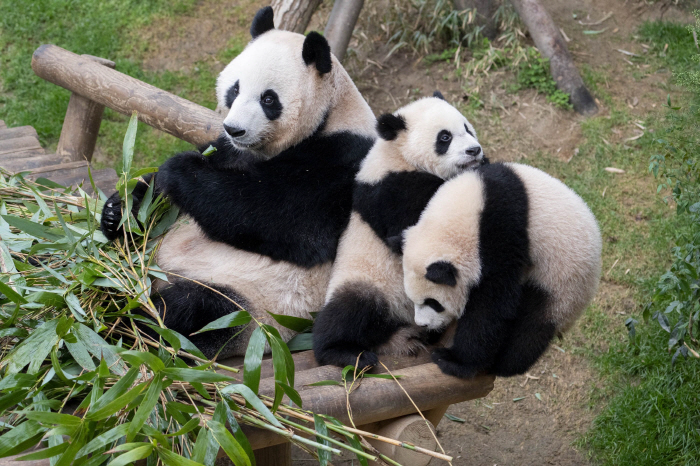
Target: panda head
point(433, 136)
point(277, 92)
point(436, 293)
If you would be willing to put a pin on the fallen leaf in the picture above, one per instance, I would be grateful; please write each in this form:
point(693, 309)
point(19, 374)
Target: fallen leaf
point(614, 170)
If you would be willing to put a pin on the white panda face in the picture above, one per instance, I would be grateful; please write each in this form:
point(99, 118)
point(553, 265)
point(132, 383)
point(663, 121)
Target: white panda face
point(437, 138)
point(275, 99)
point(436, 292)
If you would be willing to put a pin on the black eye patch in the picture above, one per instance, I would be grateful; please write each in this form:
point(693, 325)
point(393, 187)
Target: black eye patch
point(469, 132)
point(232, 93)
point(271, 104)
point(436, 306)
point(442, 143)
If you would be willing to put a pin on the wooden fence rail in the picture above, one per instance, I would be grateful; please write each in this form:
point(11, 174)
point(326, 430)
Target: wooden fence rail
point(86, 77)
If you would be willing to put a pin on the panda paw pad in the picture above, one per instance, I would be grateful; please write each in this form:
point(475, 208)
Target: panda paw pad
point(111, 216)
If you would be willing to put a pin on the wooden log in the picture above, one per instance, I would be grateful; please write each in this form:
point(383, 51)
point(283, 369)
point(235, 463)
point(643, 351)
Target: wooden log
point(9, 146)
point(411, 428)
point(81, 124)
point(167, 112)
point(552, 46)
point(276, 455)
point(340, 25)
point(29, 163)
point(17, 132)
point(294, 15)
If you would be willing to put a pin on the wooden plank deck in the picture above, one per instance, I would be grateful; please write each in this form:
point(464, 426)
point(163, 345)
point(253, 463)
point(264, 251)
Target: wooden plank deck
point(21, 151)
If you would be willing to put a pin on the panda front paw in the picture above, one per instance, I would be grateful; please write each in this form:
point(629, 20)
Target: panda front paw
point(449, 365)
point(111, 217)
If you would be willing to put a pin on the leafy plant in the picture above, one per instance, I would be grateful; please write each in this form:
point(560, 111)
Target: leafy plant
point(533, 72)
point(76, 365)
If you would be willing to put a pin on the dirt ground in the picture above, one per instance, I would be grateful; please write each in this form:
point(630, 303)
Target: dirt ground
point(529, 420)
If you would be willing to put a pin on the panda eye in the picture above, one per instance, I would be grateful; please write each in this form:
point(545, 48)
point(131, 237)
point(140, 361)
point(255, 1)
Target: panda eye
point(235, 89)
point(445, 136)
point(268, 100)
point(434, 304)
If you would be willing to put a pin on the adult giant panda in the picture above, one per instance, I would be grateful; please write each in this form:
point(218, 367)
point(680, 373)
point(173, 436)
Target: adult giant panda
point(367, 310)
point(263, 213)
point(510, 253)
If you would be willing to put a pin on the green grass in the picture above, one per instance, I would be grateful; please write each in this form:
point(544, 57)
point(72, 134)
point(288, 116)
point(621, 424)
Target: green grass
point(651, 413)
point(105, 28)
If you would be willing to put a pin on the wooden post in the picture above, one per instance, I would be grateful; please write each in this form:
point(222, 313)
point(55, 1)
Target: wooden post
point(341, 24)
point(81, 124)
point(294, 15)
point(162, 110)
point(277, 455)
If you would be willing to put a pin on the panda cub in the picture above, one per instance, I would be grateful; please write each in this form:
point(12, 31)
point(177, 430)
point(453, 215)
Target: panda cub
point(264, 213)
point(366, 309)
point(510, 253)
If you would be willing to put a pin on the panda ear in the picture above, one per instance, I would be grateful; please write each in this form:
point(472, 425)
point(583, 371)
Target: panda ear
point(264, 21)
point(316, 50)
point(442, 273)
point(439, 95)
point(388, 126)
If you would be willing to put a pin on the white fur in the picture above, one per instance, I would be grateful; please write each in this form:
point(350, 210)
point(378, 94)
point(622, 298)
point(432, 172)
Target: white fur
point(565, 247)
point(272, 61)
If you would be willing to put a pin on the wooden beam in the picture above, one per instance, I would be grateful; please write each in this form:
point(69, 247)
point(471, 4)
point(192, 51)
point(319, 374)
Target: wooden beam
point(81, 124)
point(167, 112)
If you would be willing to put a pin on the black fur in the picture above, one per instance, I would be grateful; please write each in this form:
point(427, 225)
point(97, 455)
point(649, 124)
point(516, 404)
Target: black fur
point(292, 207)
point(442, 273)
point(264, 21)
point(529, 334)
point(388, 126)
point(232, 93)
point(187, 307)
point(273, 109)
point(394, 203)
point(439, 95)
point(433, 303)
point(112, 210)
point(316, 50)
point(494, 303)
point(355, 320)
point(442, 142)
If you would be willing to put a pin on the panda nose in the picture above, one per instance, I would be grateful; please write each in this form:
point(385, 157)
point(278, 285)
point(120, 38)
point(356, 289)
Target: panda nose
point(234, 131)
point(474, 151)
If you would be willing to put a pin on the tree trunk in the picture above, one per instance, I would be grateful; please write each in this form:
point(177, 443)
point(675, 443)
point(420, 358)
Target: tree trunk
point(551, 45)
point(485, 9)
point(340, 25)
point(294, 15)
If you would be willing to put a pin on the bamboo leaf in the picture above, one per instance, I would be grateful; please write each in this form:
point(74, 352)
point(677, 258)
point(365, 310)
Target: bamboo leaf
point(145, 408)
point(239, 435)
point(116, 405)
point(235, 319)
point(189, 426)
point(34, 229)
point(297, 324)
point(34, 350)
point(320, 426)
point(132, 456)
point(194, 375)
point(99, 348)
point(202, 446)
point(253, 359)
point(81, 355)
point(101, 440)
point(173, 459)
point(11, 294)
point(292, 394)
point(20, 434)
point(229, 444)
point(117, 390)
point(45, 453)
point(136, 358)
point(129, 142)
point(301, 342)
point(253, 400)
point(53, 418)
point(177, 341)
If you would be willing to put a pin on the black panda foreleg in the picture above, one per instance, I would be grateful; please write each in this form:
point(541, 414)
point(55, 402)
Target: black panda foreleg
point(186, 307)
point(112, 210)
point(355, 321)
point(529, 336)
point(481, 331)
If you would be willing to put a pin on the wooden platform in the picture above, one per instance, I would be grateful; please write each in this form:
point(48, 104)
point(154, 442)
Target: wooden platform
point(20, 151)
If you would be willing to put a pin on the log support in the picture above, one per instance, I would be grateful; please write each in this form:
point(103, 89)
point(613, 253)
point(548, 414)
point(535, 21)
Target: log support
point(81, 124)
point(341, 24)
point(276, 455)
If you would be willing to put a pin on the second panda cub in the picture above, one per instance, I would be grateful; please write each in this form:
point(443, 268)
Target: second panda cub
point(510, 253)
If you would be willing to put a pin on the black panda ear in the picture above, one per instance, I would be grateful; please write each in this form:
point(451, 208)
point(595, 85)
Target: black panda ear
point(316, 50)
point(442, 273)
point(264, 21)
point(439, 95)
point(389, 125)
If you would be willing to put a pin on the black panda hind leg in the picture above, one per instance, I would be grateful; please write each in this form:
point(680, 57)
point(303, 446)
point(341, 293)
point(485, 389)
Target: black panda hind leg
point(355, 322)
point(529, 336)
point(186, 307)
